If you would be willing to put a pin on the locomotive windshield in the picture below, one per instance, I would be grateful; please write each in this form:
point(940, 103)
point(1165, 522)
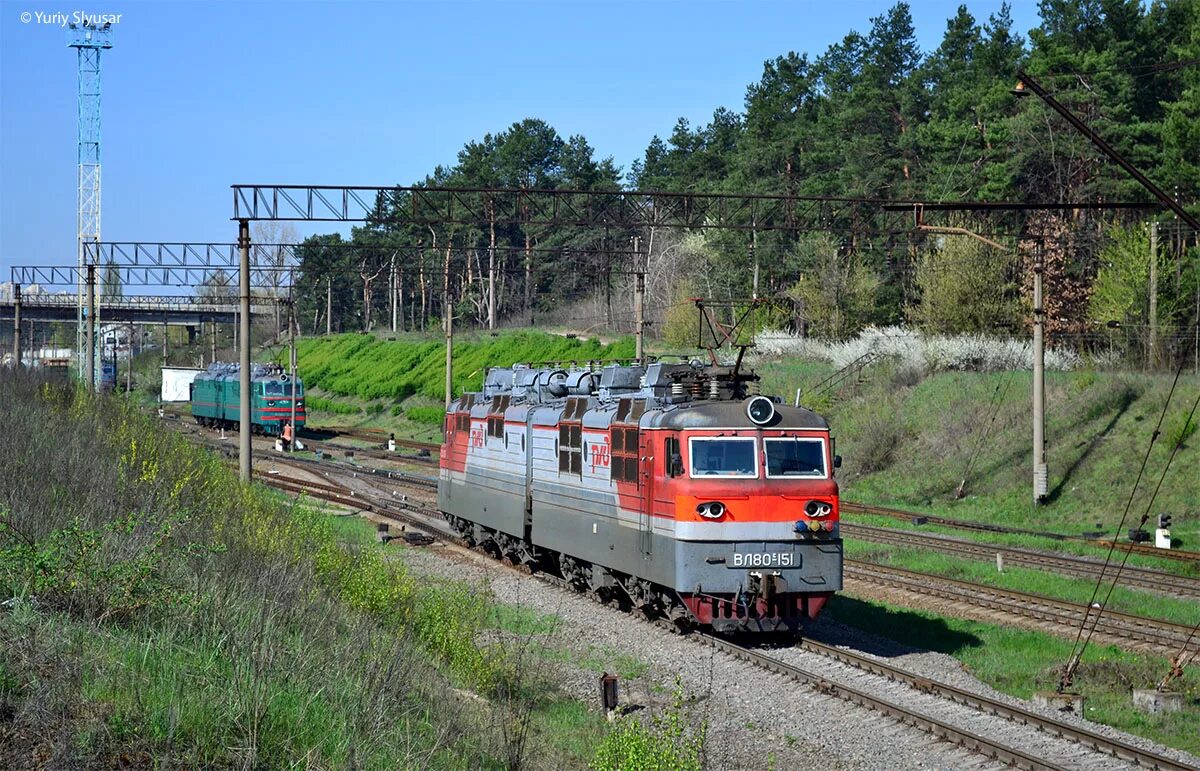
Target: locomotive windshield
point(724, 457)
point(795, 457)
point(280, 388)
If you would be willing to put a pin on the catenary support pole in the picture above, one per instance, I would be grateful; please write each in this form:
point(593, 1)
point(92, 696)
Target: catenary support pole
point(639, 304)
point(1039, 381)
point(1152, 359)
point(129, 364)
point(448, 321)
point(329, 305)
point(91, 328)
point(292, 364)
point(244, 446)
point(17, 326)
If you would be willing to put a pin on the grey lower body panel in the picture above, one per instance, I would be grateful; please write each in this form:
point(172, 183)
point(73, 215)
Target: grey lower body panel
point(491, 499)
point(583, 523)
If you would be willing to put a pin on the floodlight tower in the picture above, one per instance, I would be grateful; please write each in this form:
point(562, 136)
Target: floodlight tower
point(89, 40)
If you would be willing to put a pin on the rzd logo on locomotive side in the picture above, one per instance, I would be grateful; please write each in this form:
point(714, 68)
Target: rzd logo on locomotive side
point(599, 455)
point(476, 437)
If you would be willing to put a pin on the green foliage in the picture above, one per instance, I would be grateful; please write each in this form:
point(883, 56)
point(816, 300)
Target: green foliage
point(668, 743)
point(433, 416)
point(966, 286)
point(369, 368)
point(321, 404)
point(219, 625)
point(80, 570)
point(1122, 287)
point(836, 293)
point(681, 324)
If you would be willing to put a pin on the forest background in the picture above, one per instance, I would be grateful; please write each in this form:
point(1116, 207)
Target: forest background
point(872, 117)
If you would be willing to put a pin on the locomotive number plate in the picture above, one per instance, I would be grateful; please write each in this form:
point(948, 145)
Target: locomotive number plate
point(764, 559)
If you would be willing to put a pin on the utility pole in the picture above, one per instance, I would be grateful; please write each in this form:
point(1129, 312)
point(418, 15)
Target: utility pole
point(128, 364)
point(17, 325)
point(91, 327)
point(244, 446)
point(329, 305)
point(639, 302)
point(1039, 381)
point(392, 293)
point(292, 362)
point(754, 257)
point(1153, 357)
point(166, 343)
point(448, 322)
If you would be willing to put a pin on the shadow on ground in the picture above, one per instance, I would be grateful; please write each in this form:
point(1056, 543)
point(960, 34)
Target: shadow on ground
point(885, 632)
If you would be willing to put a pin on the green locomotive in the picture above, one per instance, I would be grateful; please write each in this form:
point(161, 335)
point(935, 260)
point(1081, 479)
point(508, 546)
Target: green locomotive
point(215, 397)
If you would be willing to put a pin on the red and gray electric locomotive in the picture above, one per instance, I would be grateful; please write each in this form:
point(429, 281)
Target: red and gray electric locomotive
point(669, 487)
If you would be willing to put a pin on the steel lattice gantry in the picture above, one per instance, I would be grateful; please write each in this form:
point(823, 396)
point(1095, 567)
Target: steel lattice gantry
point(547, 208)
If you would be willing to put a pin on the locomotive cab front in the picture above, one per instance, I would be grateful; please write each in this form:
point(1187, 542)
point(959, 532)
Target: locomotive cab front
point(755, 505)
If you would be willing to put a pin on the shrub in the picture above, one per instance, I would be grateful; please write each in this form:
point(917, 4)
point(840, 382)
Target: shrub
point(321, 404)
point(930, 353)
point(877, 438)
point(434, 416)
point(668, 742)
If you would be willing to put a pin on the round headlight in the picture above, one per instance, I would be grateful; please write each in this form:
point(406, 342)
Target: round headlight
point(818, 509)
point(711, 510)
point(760, 410)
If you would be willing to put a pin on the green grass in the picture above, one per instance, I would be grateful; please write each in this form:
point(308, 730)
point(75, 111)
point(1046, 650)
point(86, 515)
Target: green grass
point(1076, 590)
point(184, 618)
point(952, 425)
point(1020, 662)
point(368, 367)
point(1072, 548)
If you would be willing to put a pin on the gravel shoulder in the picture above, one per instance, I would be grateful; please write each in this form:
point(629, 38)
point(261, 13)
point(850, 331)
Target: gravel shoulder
point(755, 719)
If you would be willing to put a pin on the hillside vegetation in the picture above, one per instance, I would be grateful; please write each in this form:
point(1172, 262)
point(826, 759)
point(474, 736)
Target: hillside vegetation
point(160, 614)
point(909, 439)
point(399, 383)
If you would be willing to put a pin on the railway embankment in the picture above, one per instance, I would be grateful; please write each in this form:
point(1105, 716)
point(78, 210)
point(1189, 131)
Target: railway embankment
point(157, 612)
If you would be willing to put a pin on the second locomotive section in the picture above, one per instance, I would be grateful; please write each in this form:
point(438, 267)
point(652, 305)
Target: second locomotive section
point(665, 486)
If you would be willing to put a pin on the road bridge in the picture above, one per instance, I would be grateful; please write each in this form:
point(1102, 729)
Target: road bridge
point(171, 310)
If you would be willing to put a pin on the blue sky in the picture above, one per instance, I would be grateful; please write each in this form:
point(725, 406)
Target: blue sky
point(200, 95)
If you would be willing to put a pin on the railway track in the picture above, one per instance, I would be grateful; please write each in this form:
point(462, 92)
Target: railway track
point(962, 524)
point(1011, 753)
point(1164, 636)
point(1082, 567)
point(952, 731)
point(429, 520)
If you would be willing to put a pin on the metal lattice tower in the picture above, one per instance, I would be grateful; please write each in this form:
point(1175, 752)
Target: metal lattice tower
point(88, 40)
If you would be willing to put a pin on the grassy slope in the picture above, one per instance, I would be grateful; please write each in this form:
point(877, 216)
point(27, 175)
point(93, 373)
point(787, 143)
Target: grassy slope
point(398, 383)
point(1098, 428)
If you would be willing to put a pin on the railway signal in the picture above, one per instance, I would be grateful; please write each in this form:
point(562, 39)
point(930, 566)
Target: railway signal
point(1162, 535)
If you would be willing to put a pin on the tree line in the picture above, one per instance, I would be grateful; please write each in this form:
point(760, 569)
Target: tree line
point(872, 117)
